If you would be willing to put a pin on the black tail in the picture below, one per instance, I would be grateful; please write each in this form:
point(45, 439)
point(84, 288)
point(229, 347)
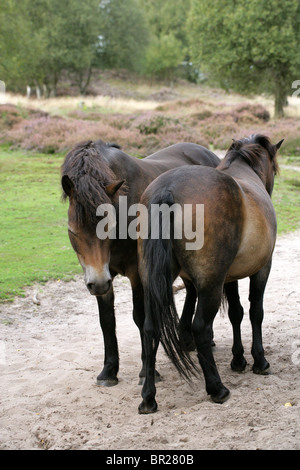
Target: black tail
point(157, 260)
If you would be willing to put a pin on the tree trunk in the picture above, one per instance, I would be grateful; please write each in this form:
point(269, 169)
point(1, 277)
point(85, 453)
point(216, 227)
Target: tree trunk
point(45, 91)
point(83, 85)
point(280, 98)
point(53, 89)
point(37, 90)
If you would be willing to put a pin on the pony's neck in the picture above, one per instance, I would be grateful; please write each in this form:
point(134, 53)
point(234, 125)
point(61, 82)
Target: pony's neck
point(133, 171)
point(240, 170)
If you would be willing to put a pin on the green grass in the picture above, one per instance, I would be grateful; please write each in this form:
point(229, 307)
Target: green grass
point(34, 245)
point(286, 200)
point(291, 160)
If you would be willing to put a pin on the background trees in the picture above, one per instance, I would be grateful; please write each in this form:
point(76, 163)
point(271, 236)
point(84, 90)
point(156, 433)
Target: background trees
point(244, 45)
point(124, 35)
point(248, 45)
point(39, 39)
point(169, 42)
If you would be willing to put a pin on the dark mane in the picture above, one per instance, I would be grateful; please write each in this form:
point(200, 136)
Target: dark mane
point(250, 151)
point(87, 167)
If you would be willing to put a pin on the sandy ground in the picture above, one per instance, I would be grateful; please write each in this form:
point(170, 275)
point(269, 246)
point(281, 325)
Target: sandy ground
point(50, 355)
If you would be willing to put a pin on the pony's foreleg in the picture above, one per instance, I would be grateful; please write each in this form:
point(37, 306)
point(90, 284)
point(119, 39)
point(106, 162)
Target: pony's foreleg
point(235, 313)
point(257, 288)
point(139, 318)
point(186, 318)
point(207, 307)
point(108, 376)
point(151, 341)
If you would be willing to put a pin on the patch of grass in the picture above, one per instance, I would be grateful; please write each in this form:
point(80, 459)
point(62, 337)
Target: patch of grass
point(291, 160)
point(286, 200)
point(34, 244)
point(64, 104)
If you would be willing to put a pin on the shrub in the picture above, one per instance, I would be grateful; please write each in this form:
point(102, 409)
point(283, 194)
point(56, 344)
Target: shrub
point(246, 111)
point(10, 115)
point(152, 123)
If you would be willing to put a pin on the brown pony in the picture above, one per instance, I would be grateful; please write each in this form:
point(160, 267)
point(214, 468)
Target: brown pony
point(96, 173)
point(239, 232)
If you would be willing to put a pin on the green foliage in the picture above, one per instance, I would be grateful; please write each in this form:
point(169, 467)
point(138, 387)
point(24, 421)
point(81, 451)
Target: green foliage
point(168, 46)
point(124, 33)
point(245, 45)
point(163, 56)
point(71, 37)
point(52, 36)
point(249, 45)
point(167, 17)
point(14, 47)
point(55, 36)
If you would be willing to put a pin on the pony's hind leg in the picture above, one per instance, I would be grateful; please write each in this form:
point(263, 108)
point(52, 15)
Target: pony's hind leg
point(257, 288)
point(186, 318)
point(236, 313)
point(139, 318)
point(207, 307)
point(151, 342)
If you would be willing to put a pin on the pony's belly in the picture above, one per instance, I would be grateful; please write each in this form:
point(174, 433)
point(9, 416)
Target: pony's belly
point(249, 260)
point(257, 239)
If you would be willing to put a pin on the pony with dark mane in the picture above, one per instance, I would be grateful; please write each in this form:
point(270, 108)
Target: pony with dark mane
point(239, 232)
point(96, 173)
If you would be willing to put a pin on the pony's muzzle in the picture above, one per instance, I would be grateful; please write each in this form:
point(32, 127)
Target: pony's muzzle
point(99, 289)
point(97, 284)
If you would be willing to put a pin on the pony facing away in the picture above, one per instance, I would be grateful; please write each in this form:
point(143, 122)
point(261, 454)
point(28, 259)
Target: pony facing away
point(96, 173)
point(239, 232)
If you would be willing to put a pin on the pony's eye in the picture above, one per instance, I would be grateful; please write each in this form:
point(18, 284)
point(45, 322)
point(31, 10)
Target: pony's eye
point(73, 241)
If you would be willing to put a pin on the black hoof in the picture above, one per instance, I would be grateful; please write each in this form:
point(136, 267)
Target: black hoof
point(103, 381)
point(147, 408)
point(222, 396)
point(238, 366)
point(262, 371)
point(107, 383)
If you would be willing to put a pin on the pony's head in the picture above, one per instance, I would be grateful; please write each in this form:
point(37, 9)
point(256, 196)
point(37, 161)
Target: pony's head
point(87, 182)
point(259, 153)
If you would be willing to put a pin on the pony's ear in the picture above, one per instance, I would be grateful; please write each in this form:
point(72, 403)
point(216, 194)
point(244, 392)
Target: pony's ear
point(278, 145)
point(112, 188)
point(236, 145)
point(67, 185)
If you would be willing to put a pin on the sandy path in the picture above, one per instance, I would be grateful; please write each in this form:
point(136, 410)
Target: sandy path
point(50, 355)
